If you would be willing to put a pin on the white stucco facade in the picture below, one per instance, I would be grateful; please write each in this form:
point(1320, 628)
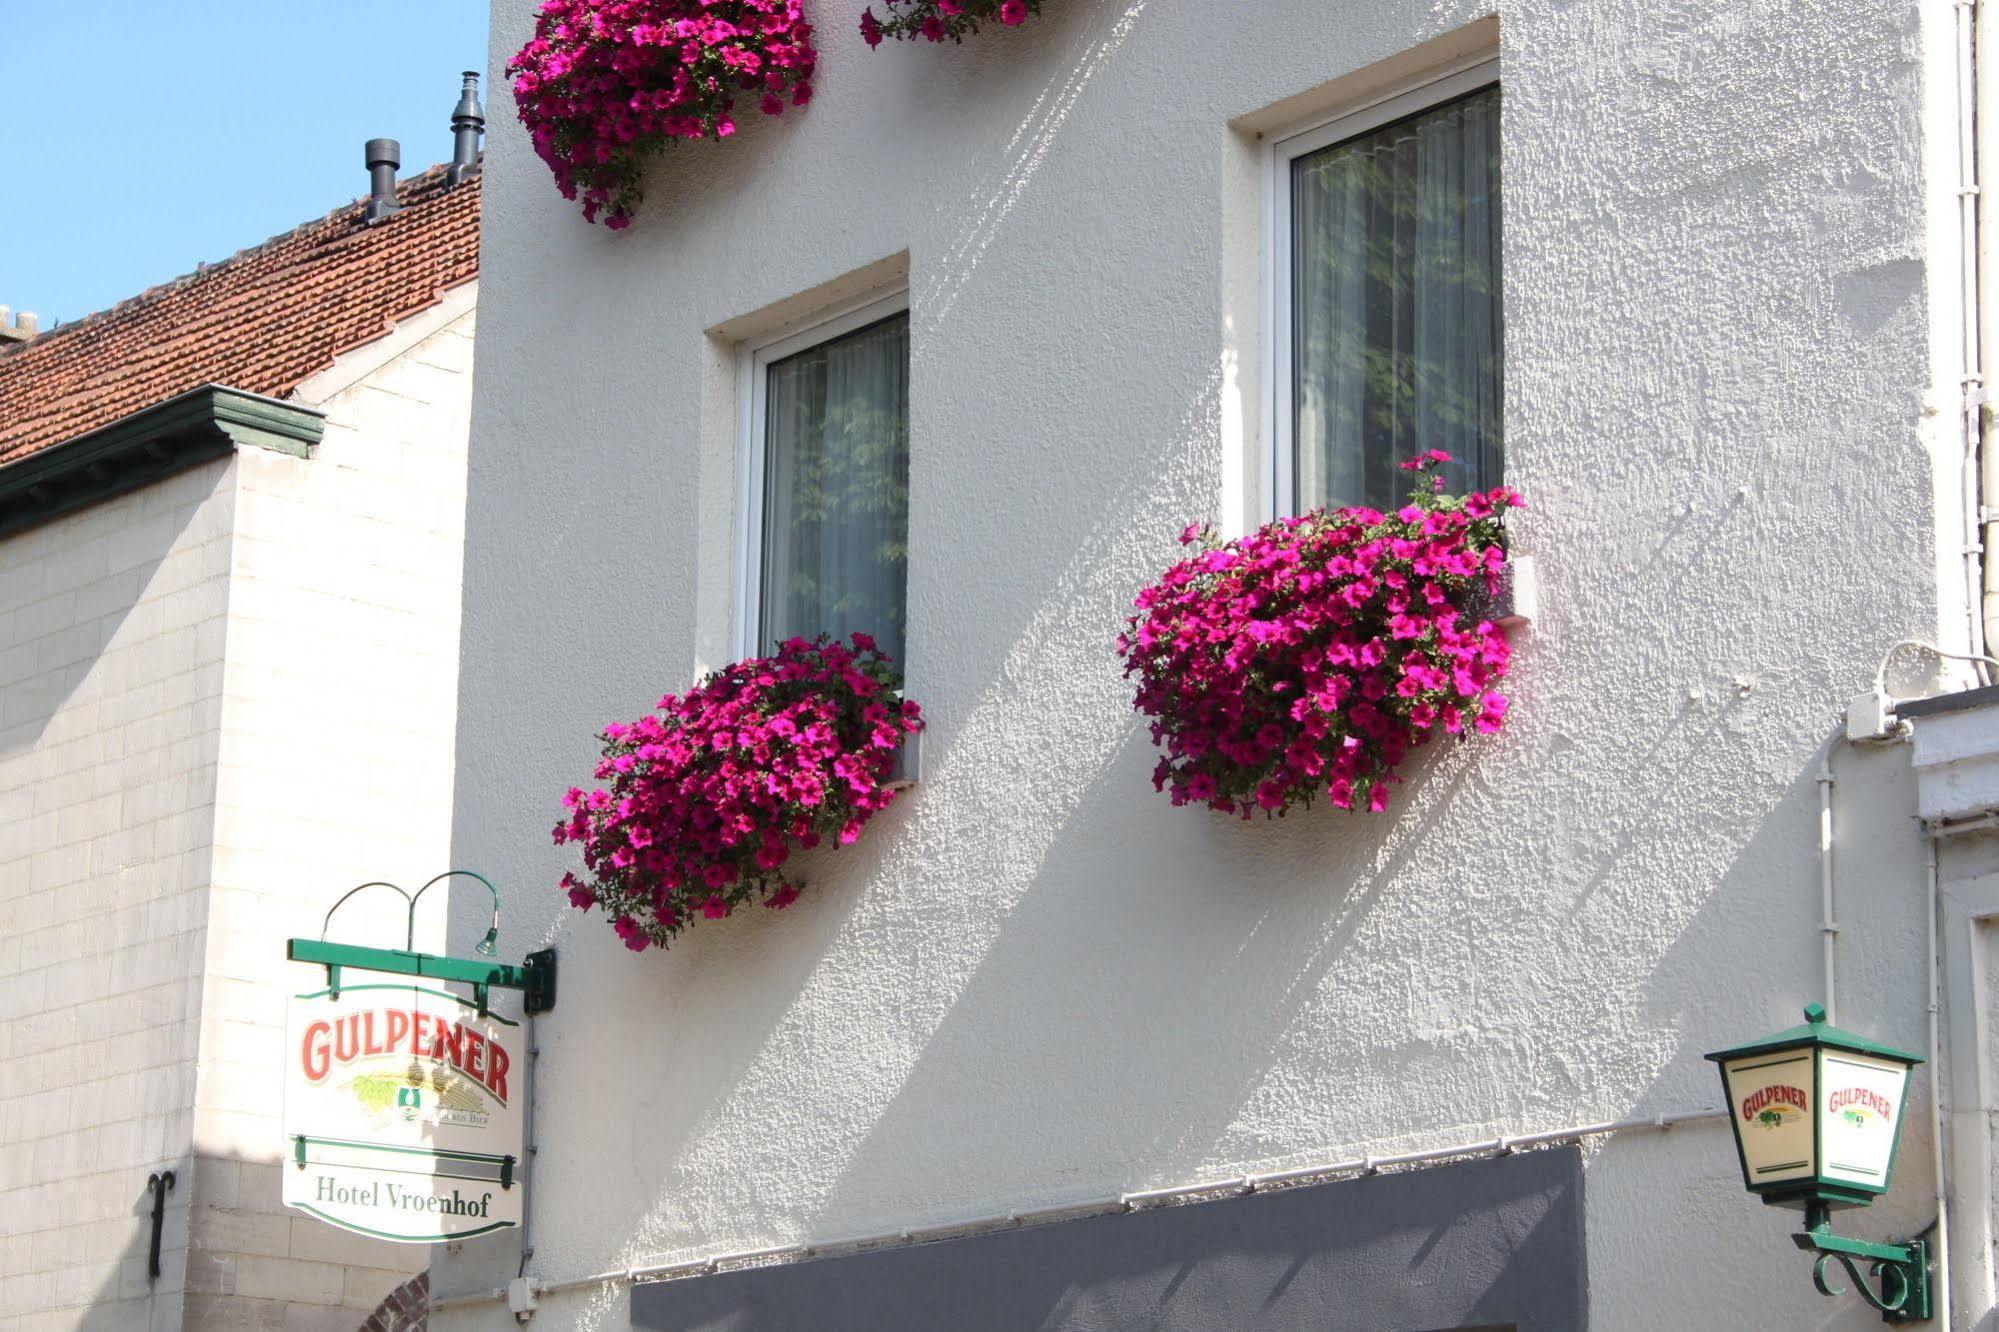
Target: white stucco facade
point(1730, 324)
point(228, 698)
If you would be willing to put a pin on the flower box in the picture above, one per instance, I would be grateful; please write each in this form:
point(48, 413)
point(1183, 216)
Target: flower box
point(941, 20)
point(702, 803)
point(604, 85)
point(1312, 657)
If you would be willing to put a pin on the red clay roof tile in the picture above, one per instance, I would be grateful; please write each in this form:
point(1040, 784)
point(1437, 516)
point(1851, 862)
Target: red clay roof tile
point(263, 320)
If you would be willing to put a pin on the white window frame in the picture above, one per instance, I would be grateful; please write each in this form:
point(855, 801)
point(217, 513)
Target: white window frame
point(1431, 89)
point(754, 359)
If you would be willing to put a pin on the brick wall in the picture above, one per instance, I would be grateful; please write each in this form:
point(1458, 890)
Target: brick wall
point(404, 1309)
point(111, 647)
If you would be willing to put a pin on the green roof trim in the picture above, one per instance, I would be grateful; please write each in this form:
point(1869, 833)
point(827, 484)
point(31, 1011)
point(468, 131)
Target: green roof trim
point(150, 445)
point(1815, 1030)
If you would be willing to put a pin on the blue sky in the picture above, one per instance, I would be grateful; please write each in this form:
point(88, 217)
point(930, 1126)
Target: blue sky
point(141, 138)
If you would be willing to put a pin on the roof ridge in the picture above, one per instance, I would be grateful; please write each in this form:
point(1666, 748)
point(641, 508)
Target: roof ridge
point(159, 290)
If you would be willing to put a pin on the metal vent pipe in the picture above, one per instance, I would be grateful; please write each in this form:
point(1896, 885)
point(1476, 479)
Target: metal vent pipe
point(468, 123)
point(384, 157)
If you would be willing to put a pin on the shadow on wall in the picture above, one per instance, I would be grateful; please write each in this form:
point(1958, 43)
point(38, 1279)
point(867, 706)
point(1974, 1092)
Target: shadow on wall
point(101, 692)
point(1288, 981)
point(133, 1298)
point(1739, 966)
point(96, 585)
point(1090, 988)
point(1026, 796)
point(1291, 933)
point(250, 1263)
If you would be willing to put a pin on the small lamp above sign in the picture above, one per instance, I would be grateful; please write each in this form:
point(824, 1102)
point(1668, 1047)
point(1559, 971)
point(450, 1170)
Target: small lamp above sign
point(1817, 1117)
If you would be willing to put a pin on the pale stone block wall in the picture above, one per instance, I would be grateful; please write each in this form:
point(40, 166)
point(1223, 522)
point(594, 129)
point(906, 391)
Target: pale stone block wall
point(339, 700)
point(170, 816)
point(111, 645)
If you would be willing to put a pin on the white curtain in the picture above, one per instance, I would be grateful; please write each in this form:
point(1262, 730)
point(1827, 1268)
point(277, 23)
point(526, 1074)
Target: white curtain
point(1396, 305)
point(836, 490)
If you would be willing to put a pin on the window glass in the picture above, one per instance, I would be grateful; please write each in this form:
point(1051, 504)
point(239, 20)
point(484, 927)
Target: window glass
point(1395, 299)
point(836, 488)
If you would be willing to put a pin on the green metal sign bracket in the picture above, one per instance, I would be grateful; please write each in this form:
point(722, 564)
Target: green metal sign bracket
point(534, 978)
point(1903, 1270)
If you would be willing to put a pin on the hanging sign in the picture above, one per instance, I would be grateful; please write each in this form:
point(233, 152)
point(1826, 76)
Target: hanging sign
point(403, 1113)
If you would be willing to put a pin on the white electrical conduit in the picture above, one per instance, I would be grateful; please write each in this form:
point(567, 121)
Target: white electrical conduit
point(1123, 1202)
point(1828, 923)
point(1881, 670)
point(1980, 471)
point(531, 1145)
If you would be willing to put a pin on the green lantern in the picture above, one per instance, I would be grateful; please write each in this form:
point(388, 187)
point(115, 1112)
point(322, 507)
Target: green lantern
point(1817, 1117)
point(1817, 1113)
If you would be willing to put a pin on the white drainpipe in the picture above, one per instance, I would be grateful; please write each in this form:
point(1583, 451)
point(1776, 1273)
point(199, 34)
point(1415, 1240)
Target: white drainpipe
point(1828, 922)
point(1980, 479)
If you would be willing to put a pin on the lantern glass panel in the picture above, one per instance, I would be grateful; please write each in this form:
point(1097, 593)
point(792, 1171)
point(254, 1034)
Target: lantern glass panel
point(1770, 1103)
point(1861, 1117)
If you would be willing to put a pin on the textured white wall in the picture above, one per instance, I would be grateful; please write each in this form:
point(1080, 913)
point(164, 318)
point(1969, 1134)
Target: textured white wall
point(111, 641)
point(1035, 981)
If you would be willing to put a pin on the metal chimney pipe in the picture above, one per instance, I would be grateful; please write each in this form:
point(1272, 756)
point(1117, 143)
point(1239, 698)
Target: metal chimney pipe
point(468, 123)
point(383, 156)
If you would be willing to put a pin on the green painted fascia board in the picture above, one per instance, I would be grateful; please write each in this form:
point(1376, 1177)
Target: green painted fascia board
point(147, 446)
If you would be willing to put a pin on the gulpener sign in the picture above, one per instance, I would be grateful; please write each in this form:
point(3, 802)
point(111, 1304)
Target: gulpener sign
point(402, 1114)
point(404, 1102)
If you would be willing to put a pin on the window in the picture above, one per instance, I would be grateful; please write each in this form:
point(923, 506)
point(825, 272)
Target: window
point(1386, 296)
point(827, 482)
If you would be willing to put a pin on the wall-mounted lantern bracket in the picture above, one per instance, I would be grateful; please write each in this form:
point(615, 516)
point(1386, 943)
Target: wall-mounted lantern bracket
point(534, 978)
point(1902, 1270)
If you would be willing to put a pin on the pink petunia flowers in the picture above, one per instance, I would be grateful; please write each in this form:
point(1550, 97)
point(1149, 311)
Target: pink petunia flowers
point(605, 84)
point(941, 20)
point(1311, 657)
point(705, 801)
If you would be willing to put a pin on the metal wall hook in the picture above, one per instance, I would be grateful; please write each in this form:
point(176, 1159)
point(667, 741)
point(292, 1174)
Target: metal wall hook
point(160, 1181)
